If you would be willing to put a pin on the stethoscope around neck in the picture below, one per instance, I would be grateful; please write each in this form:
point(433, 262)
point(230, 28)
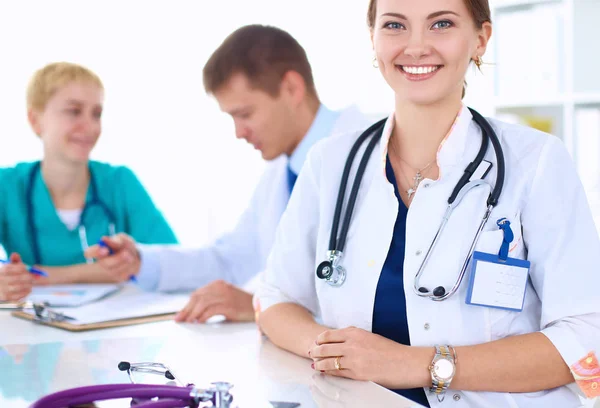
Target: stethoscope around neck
point(331, 269)
point(81, 229)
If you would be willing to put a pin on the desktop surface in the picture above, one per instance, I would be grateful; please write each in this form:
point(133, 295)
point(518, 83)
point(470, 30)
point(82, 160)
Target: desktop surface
point(36, 360)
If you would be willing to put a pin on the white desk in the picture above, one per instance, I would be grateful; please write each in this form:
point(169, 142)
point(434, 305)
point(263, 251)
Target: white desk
point(36, 360)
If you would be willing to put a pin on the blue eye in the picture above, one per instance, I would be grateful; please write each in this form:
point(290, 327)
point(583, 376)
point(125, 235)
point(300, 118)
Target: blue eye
point(442, 25)
point(393, 25)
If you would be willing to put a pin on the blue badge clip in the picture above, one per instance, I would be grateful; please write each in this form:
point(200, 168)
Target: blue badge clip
point(504, 225)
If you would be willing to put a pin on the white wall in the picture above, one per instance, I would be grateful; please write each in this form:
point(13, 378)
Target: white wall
point(157, 119)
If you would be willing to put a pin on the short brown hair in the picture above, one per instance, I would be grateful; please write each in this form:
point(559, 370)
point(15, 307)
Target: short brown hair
point(479, 9)
point(264, 54)
point(49, 79)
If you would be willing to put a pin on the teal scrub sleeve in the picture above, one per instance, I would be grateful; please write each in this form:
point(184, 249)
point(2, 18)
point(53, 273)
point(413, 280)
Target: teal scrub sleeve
point(4, 174)
point(144, 222)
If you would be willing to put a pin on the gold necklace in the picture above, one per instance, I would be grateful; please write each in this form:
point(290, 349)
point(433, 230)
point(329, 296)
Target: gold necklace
point(418, 175)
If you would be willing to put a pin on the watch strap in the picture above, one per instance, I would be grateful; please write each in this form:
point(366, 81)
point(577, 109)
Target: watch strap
point(439, 387)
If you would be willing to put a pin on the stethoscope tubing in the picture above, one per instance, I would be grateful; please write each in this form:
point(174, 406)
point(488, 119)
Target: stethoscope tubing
point(336, 243)
point(94, 201)
point(94, 393)
point(344, 182)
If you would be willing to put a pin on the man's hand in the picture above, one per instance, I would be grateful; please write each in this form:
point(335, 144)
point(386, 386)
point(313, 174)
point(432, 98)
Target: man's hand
point(118, 260)
point(218, 298)
point(116, 244)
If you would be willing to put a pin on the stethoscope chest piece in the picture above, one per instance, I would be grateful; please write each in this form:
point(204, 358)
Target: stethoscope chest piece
point(331, 270)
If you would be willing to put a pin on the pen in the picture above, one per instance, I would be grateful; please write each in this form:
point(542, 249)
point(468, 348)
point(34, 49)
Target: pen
point(31, 269)
point(111, 252)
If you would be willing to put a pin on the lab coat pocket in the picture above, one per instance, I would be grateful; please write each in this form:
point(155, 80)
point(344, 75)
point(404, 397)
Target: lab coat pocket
point(489, 242)
point(491, 238)
point(501, 321)
point(517, 246)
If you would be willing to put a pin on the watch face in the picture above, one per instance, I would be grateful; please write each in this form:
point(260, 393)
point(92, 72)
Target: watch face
point(444, 369)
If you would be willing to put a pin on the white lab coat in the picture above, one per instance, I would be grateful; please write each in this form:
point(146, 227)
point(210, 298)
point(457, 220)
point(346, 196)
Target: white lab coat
point(242, 253)
point(542, 197)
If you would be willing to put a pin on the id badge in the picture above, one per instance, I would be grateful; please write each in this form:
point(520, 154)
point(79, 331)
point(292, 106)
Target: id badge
point(496, 280)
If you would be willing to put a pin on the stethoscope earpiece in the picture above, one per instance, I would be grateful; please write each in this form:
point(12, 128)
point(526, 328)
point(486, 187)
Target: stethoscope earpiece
point(124, 366)
point(439, 291)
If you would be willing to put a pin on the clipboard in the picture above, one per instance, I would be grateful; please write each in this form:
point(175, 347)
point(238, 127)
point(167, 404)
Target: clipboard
point(72, 295)
point(132, 306)
point(65, 325)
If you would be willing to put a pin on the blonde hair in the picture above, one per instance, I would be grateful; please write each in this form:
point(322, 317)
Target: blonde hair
point(46, 81)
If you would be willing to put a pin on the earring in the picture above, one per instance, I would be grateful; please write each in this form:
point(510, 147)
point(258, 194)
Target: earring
point(375, 64)
point(478, 62)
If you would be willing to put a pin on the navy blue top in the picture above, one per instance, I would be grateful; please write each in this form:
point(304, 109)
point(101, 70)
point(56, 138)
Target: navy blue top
point(389, 312)
point(291, 178)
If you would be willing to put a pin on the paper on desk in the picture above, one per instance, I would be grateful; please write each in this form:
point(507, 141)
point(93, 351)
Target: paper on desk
point(71, 295)
point(125, 306)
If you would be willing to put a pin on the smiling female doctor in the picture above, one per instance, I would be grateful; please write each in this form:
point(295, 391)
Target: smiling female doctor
point(50, 211)
point(517, 328)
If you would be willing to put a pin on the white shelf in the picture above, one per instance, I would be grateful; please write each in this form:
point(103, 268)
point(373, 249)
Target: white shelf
point(582, 98)
point(587, 98)
point(504, 4)
point(518, 103)
point(545, 73)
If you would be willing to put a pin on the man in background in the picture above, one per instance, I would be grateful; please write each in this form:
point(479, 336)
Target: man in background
point(261, 77)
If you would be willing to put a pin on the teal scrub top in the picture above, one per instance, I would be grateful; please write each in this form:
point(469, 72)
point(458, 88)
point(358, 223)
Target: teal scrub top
point(117, 187)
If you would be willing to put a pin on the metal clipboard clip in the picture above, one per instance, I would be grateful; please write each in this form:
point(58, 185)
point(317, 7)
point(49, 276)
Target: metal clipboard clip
point(42, 313)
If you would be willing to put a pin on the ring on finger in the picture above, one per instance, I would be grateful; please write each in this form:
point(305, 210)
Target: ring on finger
point(337, 363)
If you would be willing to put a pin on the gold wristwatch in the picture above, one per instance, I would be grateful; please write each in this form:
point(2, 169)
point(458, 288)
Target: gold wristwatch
point(442, 369)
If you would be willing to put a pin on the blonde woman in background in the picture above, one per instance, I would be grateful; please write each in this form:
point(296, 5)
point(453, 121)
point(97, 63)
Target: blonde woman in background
point(51, 210)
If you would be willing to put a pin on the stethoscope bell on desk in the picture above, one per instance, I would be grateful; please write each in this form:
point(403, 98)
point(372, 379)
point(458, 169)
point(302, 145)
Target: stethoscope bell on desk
point(331, 270)
point(218, 394)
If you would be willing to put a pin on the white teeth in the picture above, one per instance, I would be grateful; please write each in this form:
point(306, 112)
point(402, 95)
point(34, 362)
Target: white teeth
point(420, 70)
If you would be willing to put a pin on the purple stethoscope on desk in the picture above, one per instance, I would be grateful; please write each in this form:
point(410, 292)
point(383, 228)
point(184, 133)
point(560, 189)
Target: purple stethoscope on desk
point(143, 395)
point(148, 395)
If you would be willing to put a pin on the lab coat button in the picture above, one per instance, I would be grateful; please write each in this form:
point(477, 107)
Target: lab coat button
point(426, 326)
point(418, 253)
point(426, 185)
point(456, 397)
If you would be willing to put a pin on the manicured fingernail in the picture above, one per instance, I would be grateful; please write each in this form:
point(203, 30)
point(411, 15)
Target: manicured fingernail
point(312, 366)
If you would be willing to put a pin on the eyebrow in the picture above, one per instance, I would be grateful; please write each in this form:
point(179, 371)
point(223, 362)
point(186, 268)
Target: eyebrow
point(79, 103)
point(429, 17)
point(238, 111)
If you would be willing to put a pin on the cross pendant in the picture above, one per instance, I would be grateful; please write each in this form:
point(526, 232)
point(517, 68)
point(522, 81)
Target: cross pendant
point(417, 178)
